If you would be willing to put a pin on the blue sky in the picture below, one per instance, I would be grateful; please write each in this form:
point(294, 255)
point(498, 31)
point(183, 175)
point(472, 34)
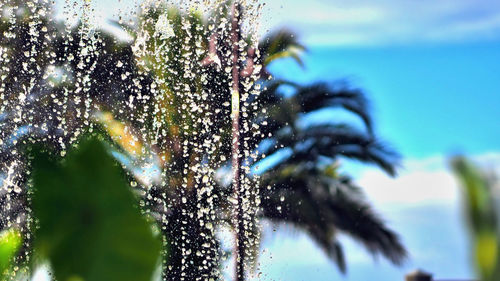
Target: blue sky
point(430, 69)
point(427, 99)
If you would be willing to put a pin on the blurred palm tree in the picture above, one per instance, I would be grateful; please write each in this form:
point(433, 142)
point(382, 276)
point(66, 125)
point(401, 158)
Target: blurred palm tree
point(304, 188)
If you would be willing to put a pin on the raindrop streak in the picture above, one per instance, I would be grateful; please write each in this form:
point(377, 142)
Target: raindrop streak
point(179, 103)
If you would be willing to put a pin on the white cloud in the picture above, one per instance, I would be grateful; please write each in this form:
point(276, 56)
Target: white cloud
point(421, 181)
point(368, 22)
point(410, 188)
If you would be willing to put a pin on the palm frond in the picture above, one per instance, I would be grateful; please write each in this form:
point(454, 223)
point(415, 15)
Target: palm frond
point(321, 95)
point(281, 44)
point(324, 206)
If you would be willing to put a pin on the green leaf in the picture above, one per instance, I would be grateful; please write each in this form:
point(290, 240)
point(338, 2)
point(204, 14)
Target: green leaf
point(482, 215)
point(89, 226)
point(10, 242)
point(293, 52)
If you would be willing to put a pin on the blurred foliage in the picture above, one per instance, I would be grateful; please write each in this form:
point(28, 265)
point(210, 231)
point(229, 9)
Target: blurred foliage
point(118, 133)
point(316, 197)
point(89, 226)
point(10, 242)
point(482, 214)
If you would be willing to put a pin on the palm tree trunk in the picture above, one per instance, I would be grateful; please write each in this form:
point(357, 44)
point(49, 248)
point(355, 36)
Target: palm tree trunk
point(204, 266)
point(239, 251)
